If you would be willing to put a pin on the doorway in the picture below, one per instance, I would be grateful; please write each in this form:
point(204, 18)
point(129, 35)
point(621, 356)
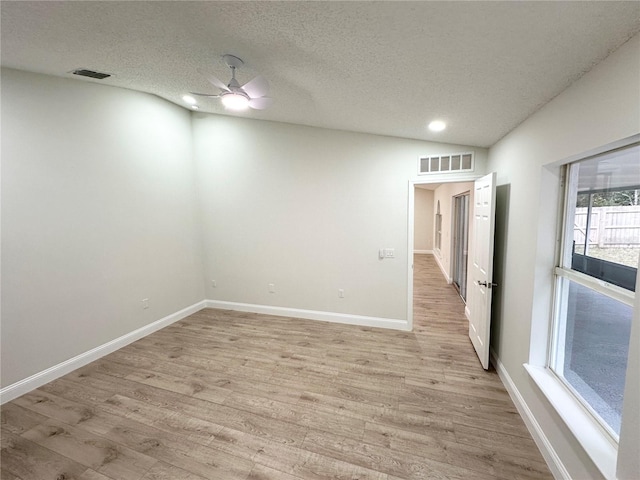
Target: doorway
point(460, 250)
point(452, 182)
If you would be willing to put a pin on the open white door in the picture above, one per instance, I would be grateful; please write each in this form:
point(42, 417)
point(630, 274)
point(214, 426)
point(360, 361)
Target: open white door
point(480, 280)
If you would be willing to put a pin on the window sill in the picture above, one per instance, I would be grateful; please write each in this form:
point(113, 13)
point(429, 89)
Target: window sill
point(602, 450)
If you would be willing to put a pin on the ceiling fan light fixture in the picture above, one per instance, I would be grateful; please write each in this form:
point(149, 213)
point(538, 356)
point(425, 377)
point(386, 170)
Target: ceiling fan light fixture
point(234, 96)
point(235, 101)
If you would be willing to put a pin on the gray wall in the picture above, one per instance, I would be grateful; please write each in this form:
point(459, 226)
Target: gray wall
point(306, 209)
point(98, 212)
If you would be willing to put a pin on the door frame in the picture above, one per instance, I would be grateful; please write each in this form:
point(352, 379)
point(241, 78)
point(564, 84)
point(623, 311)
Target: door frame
point(427, 179)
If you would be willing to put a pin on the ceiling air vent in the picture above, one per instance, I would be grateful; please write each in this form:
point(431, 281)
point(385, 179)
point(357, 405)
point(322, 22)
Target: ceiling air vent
point(450, 163)
point(83, 72)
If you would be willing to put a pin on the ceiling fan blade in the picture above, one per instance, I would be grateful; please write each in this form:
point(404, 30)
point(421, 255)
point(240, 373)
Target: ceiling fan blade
point(205, 94)
point(258, 87)
point(217, 83)
point(260, 103)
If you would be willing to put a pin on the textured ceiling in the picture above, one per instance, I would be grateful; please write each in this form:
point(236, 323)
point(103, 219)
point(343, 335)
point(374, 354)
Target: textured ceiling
point(380, 67)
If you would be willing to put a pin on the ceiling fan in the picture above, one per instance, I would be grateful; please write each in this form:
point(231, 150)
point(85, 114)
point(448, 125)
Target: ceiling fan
point(252, 94)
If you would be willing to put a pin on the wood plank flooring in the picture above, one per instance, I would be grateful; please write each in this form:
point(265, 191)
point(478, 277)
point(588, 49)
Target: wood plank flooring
point(229, 395)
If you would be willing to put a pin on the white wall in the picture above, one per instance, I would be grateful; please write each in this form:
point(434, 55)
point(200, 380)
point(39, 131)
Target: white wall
point(601, 108)
point(444, 194)
point(100, 209)
point(98, 212)
point(424, 220)
point(306, 209)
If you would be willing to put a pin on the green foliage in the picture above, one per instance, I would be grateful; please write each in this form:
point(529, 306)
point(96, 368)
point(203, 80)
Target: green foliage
point(610, 199)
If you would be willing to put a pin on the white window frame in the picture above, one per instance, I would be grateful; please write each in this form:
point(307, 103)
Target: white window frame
point(564, 271)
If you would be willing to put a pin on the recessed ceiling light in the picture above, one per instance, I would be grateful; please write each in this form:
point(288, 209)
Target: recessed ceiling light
point(437, 126)
point(195, 107)
point(189, 99)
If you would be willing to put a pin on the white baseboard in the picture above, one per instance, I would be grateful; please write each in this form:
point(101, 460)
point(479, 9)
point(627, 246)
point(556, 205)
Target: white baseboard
point(391, 323)
point(21, 387)
point(446, 275)
point(423, 252)
point(546, 449)
point(467, 312)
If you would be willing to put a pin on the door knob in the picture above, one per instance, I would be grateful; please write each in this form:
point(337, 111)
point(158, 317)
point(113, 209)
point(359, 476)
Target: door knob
point(486, 284)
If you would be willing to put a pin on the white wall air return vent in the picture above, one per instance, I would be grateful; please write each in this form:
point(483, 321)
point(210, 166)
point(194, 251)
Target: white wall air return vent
point(450, 163)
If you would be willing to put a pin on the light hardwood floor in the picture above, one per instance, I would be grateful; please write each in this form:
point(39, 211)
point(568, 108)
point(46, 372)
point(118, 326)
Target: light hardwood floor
point(229, 395)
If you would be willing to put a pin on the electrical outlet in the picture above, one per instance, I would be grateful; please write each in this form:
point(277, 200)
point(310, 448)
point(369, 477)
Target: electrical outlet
point(214, 284)
point(145, 303)
point(272, 288)
point(389, 252)
point(341, 293)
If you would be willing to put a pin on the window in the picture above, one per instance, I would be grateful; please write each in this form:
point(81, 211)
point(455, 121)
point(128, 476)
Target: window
point(438, 228)
point(596, 281)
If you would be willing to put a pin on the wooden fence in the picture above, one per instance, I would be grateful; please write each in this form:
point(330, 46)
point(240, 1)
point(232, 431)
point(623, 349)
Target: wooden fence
point(610, 226)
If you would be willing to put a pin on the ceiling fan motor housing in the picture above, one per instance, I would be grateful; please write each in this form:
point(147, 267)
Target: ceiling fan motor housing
point(232, 61)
